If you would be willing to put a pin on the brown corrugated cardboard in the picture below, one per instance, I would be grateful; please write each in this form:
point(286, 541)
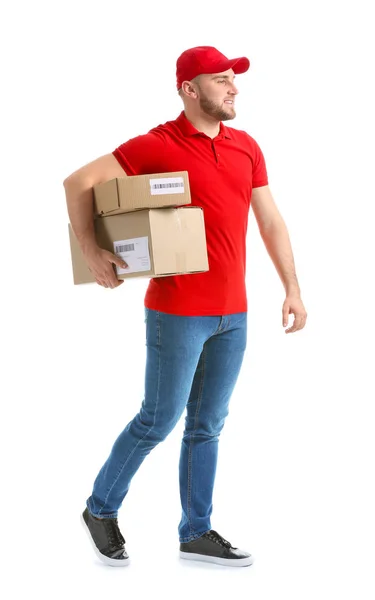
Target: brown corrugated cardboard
point(153, 242)
point(127, 194)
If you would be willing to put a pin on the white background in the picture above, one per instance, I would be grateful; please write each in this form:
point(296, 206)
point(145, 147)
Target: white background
point(295, 476)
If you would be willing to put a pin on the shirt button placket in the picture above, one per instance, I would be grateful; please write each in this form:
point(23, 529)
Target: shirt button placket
point(215, 153)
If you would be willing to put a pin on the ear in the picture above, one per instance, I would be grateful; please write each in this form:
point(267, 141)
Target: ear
point(189, 89)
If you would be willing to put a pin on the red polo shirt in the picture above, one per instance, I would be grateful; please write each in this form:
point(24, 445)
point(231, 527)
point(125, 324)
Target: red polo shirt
point(222, 173)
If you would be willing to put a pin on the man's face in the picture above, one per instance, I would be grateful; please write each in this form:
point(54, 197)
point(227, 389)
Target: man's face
point(216, 95)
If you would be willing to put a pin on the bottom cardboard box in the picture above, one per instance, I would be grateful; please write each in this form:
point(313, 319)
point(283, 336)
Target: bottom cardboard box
point(155, 242)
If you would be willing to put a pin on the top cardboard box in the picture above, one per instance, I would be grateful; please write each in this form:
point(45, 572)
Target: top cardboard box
point(128, 194)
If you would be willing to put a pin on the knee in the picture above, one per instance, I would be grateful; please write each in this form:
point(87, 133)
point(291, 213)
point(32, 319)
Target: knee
point(155, 430)
point(209, 426)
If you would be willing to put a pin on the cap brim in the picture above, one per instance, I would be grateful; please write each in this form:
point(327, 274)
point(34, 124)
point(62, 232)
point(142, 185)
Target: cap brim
point(239, 65)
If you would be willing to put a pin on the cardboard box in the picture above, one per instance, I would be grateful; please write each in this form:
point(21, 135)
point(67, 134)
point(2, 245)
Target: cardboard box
point(153, 242)
point(127, 194)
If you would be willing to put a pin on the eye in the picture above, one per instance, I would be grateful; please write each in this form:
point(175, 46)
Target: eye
point(221, 80)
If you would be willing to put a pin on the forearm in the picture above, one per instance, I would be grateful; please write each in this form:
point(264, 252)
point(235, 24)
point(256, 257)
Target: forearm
point(277, 242)
point(79, 200)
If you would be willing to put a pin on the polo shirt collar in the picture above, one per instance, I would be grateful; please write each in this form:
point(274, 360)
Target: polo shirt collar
point(188, 129)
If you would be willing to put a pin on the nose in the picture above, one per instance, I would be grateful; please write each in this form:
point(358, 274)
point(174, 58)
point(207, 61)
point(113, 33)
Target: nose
point(234, 90)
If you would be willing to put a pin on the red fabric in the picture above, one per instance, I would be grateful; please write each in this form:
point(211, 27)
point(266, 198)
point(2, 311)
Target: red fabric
point(206, 59)
point(222, 173)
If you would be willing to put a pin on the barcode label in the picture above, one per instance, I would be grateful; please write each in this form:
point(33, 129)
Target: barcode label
point(125, 248)
point(135, 253)
point(159, 186)
point(167, 185)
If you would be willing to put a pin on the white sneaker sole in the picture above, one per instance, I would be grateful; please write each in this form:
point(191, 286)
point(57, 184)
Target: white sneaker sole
point(112, 562)
point(227, 562)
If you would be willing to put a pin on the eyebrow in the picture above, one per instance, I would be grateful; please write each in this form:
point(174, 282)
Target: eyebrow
point(222, 77)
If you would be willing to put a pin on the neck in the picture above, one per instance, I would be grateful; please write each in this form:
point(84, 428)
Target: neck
point(203, 123)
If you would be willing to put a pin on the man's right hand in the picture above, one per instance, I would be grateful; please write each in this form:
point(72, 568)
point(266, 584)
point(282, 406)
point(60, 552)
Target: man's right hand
point(100, 262)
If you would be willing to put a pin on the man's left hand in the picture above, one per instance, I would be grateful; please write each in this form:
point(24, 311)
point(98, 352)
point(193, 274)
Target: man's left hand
point(294, 305)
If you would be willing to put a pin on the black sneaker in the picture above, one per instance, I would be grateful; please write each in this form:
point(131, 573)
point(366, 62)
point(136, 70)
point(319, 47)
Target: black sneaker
point(106, 538)
point(213, 548)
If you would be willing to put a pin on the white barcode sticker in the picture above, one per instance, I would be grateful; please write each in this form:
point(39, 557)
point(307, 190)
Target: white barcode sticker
point(135, 253)
point(167, 185)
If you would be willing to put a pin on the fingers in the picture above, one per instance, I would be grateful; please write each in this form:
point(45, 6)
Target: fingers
point(110, 278)
point(101, 282)
point(105, 274)
point(114, 283)
point(116, 260)
point(299, 323)
point(109, 283)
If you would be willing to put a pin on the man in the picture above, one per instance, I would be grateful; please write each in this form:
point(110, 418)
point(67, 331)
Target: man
point(195, 324)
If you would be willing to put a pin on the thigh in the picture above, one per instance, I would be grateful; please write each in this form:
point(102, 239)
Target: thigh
point(174, 345)
point(216, 375)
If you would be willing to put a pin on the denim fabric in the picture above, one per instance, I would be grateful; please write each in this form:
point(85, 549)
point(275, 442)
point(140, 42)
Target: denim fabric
point(192, 363)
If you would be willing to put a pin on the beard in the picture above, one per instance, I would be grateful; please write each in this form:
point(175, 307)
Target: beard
point(211, 108)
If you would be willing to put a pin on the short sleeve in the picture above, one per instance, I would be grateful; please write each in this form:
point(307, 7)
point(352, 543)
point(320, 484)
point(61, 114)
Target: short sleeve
point(141, 155)
point(260, 176)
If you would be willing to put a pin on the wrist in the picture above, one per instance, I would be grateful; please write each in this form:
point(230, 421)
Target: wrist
point(293, 290)
point(89, 248)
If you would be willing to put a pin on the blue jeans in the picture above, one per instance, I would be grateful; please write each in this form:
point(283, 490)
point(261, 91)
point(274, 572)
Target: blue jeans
point(192, 363)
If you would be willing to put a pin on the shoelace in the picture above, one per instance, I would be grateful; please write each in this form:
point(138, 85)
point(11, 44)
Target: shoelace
point(114, 534)
point(215, 537)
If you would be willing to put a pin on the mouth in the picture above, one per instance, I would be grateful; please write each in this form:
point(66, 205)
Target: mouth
point(230, 102)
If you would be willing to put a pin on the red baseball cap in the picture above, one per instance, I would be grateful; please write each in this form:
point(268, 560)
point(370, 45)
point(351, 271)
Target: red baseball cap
point(206, 59)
